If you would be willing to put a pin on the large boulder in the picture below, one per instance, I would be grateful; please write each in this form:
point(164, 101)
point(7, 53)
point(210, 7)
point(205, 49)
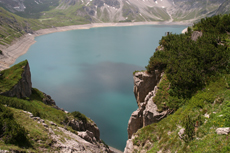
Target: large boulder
point(196, 35)
point(223, 131)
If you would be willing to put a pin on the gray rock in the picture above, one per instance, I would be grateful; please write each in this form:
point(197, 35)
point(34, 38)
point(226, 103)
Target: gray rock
point(135, 122)
point(223, 131)
point(129, 148)
point(48, 100)
point(4, 151)
point(76, 144)
point(45, 125)
point(51, 131)
point(145, 89)
point(144, 83)
point(23, 88)
point(150, 114)
point(196, 35)
point(181, 133)
point(52, 123)
point(82, 126)
point(88, 136)
point(36, 118)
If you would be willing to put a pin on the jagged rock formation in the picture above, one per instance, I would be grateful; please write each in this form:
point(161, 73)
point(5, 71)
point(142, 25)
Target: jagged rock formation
point(48, 100)
point(85, 126)
point(23, 88)
point(144, 89)
point(144, 83)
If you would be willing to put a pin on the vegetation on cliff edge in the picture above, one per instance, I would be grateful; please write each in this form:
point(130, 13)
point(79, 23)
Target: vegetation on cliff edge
point(196, 86)
point(18, 131)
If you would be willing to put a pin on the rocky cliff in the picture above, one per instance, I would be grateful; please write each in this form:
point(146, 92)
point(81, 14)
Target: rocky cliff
point(23, 86)
point(145, 88)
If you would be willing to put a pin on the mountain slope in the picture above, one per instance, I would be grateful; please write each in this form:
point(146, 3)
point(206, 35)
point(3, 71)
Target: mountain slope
point(70, 12)
point(13, 26)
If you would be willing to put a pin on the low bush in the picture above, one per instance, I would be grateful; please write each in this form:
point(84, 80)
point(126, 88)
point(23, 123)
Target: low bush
point(10, 130)
point(79, 116)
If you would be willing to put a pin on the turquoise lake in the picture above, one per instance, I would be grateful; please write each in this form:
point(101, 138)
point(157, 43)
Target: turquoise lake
point(91, 71)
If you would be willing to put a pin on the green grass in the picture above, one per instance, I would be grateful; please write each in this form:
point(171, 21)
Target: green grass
point(10, 77)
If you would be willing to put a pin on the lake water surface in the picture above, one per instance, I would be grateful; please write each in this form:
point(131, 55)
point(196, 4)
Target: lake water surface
point(91, 71)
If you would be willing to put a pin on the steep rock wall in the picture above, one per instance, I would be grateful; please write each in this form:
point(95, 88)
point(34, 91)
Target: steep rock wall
point(145, 88)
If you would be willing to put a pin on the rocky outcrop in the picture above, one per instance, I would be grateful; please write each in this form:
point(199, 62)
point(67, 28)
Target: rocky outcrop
point(129, 145)
point(144, 83)
point(144, 90)
point(48, 100)
point(223, 131)
point(88, 136)
point(135, 122)
point(79, 125)
point(66, 141)
point(23, 88)
point(196, 35)
point(150, 113)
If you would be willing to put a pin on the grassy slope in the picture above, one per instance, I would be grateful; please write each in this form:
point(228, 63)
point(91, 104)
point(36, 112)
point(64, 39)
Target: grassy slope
point(13, 26)
point(64, 17)
point(164, 135)
point(212, 99)
point(9, 77)
point(36, 133)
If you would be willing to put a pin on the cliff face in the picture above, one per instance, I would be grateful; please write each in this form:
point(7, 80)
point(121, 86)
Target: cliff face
point(145, 88)
point(23, 88)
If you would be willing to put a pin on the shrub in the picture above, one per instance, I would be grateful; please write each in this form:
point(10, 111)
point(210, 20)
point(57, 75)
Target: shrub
point(189, 64)
point(79, 116)
point(189, 132)
point(10, 130)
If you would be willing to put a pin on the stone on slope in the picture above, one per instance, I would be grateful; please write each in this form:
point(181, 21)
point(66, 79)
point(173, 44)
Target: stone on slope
point(223, 131)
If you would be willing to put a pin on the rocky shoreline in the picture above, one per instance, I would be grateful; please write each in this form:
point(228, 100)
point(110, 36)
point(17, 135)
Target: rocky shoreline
point(21, 45)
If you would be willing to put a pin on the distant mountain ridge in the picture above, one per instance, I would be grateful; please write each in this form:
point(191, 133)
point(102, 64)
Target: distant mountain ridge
point(117, 10)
